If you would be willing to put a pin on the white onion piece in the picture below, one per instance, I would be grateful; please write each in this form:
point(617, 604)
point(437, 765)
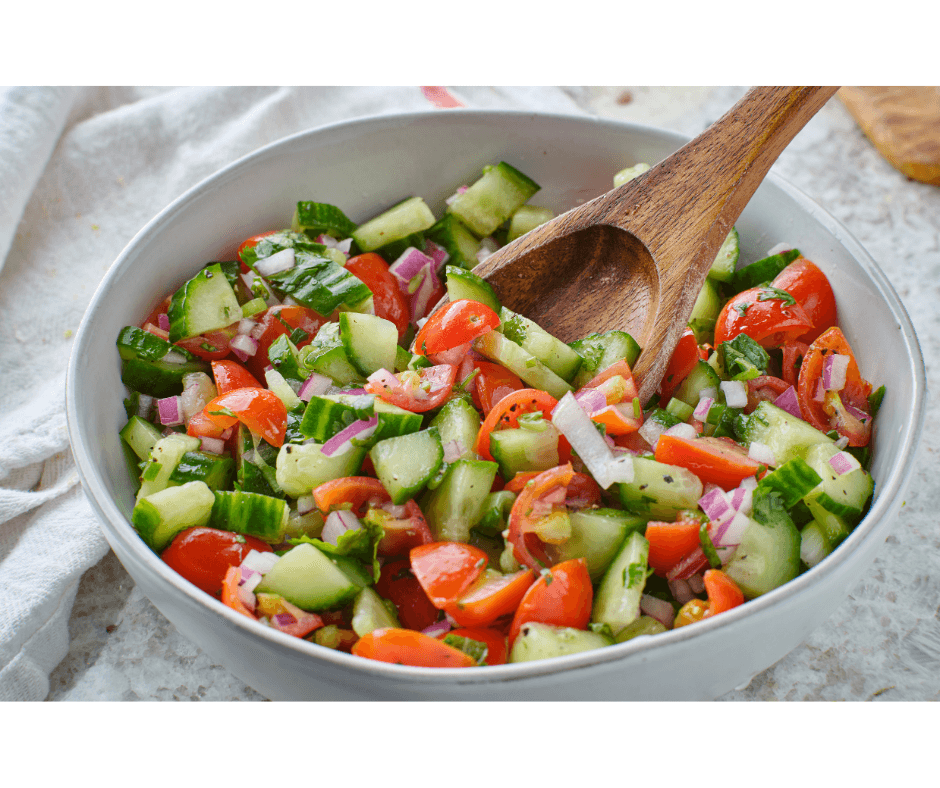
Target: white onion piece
point(735, 393)
point(659, 609)
point(592, 400)
point(437, 629)
point(245, 325)
point(337, 523)
point(682, 430)
point(571, 420)
point(245, 344)
point(487, 247)
point(277, 262)
point(314, 385)
point(144, 406)
point(259, 562)
point(762, 453)
point(650, 432)
point(198, 390)
point(779, 249)
point(834, 371)
point(729, 534)
point(173, 357)
point(453, 451)
point(842, 442)
point(398, 512)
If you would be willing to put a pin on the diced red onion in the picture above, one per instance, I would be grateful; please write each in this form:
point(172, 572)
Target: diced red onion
point(728, 534)
point(688, 566)
point(716, 505)
point(842, 462)
point(259, 562)
point(247, 597)
point(277, 262)
point(437, 629)
point(681, 591)
point(855, 413)
point(212, 445)
point(650, 432)
point(591, 400)
point(437, 253)
point(382, 377)
point(284, 619)
point(242, 345)
point(421, 299)
point(762, 453)
point(455, 195)
point(453, 451)
point(170, 410)
point(789, 402)
point(704, 405)
point(682, 430)
point(820, 394)
point(407, 266)
point(337, 523)
point(163, 321)
point(735, 393)
point(697, 584)
point(245, 325)
point(659, 609)
point(396, 511)
point(342, 440)
point(834, 371)
point(314, 385)
point(249, 578)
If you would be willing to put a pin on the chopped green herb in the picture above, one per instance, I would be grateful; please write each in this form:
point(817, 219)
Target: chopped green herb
point(776, 294)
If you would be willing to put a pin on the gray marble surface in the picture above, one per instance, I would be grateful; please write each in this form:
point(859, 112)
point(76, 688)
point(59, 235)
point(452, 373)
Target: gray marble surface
point(881, 644)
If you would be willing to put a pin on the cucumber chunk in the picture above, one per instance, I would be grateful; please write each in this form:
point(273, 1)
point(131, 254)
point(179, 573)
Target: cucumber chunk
point(152, 365)
point(314, 218)
point(527, 217)
point(705, 312)
point(458, 422)
point(525, 449)
point(765, 270)
point(301, 467)
point(405, 464)
point(466, 284)
point(727, 258)
point(141, 436)
point(846, 494)
point(627, 174)
point(617, 602)
point(597, 536)
point(205, 303)
point(406, 218)
point(309, 579)
point(371, 612)
point(251, 514)
point(459, 502)
point(552, 352)
point(702, 377)
point(199, 466)
point(544, 641)
point(785, 435)
point(599, 351)
point(492, 199)
point(768, 557)
point(459, 242)
point(659, 491)
point(498, 348)
point(370, 341)
point(164, 457)
point(160, 516)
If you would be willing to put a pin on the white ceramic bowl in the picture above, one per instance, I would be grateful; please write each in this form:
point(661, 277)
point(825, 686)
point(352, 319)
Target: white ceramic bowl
point(365, 165)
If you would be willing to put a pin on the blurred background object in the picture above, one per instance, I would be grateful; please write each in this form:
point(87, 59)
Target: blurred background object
point(903, 123)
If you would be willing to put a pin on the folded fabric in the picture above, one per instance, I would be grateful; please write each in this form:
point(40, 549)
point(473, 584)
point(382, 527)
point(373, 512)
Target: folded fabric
point(81, 171)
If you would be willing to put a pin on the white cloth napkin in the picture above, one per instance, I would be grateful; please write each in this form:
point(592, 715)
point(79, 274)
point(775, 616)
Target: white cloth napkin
point(81, 170)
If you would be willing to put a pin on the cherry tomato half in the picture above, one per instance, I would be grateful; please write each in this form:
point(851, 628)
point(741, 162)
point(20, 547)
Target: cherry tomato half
point(720, 461)
point(507, 411)
point(203, 555)
point(765, 315)
point(280, 321)
point(260, 410)
point(407, 647)
point(229, 375)
point(810, 287)
point(454, 324)
point(563, 597)
point(387, 297)
point(681, 363)
point(419, 391)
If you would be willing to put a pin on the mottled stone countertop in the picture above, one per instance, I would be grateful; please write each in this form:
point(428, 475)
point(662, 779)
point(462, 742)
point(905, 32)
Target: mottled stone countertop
point(882, 643)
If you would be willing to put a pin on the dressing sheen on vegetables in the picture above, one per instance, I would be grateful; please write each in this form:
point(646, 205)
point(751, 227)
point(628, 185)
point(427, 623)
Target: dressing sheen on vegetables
point(466, 490)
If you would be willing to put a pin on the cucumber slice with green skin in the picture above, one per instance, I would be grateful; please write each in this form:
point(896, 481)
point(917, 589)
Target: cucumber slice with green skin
point(679, 409)
point(409, 216)
point(814, 544)
point(141, 436)
point(705, 313)
point(596, 536)
point(406, 360)
point(206, 302)
point(702, 377)
point(301, 467)
point(164, 457)
point(765, 270)
point(793, 480)
point(466, 284)
point(493, 198)
point(544, 641)
point(767, 557)
point(255, 466)
point(462, 246)
point(525, 449)
point(498, 348)
point(405, 464)
point(309, 579)
point(496, 512)
point(314, 218)
point(199, 466)
point(659, 491)
point(617, 601)
point(371, 612)
point(845, 495)
point(285, 358)
point(250, 514)
point(160, 516)
point(644, 625)
point(277, 242)
point(458, 422)
point(599, 351)
point(370, 341)
point(785, 435)
point(328, 414)
point(458, 503)
point(320, 283)
point(527, 217)
point(332, 362)
point(727, 258)
point(627, 174)
point(152, 365)
point(552, 352)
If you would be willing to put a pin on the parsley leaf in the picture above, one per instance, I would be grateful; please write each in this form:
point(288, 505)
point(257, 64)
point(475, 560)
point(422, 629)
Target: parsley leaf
point(776, 294)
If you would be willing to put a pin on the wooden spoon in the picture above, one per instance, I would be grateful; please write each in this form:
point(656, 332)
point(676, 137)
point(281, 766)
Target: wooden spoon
point(635, 258)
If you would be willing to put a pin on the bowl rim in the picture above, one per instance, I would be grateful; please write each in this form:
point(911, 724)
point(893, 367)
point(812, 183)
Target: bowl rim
point(117, 527)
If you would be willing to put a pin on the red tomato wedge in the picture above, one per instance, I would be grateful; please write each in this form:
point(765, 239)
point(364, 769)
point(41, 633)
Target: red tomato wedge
point(453, 325)
point(681, 363)
point(670, 543)
point(359, 492)
point(793, 354)
point(278, 321)
point(407, 647)
point(260, 410)
point(723, 592)
point(249, 244)
point(716, 460)
point(765, 315)
point(201, 426)
point(763, 387)
point(530, 507)
point(446, 570)
point(404, 533)
point(210, 346)
point(398, 584)
point(229, 375)
point(285, 617)
point(494, 639)
point(492, 383)
point(562, 596)
point(387, 297)
point(417, 392)
point(494, 595)
point(203, 555)
point(506, 413)
point(810, 287)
